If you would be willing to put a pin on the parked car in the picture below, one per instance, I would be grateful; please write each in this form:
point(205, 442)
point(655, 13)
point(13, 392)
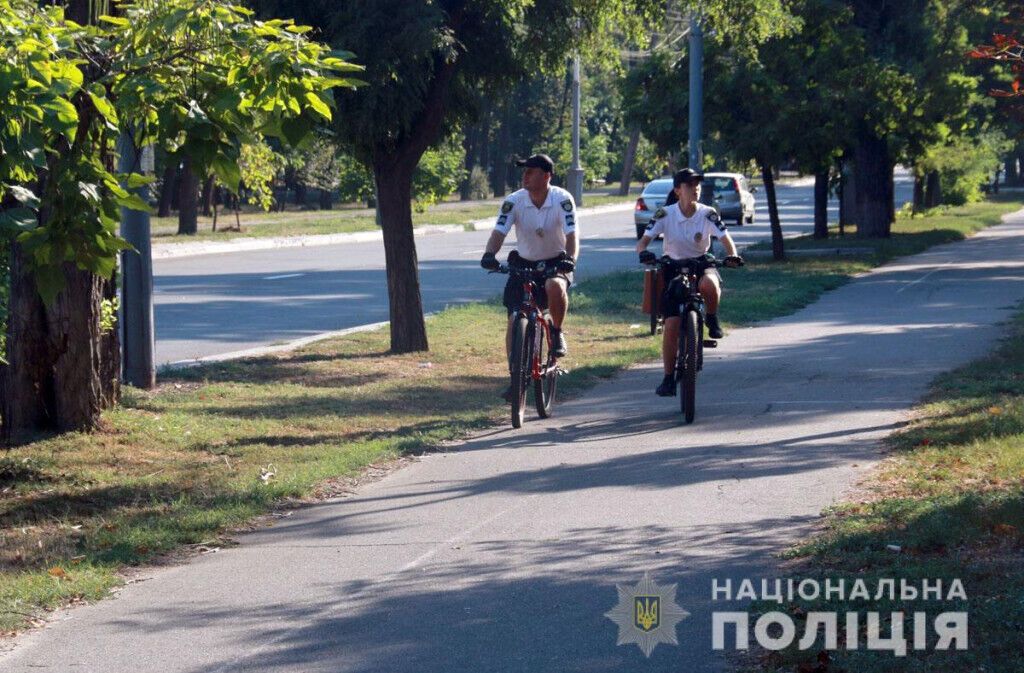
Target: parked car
point(730, 194)
point(652, 198)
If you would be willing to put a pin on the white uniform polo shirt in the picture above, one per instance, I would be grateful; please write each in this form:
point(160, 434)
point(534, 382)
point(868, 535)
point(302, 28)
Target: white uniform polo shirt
point(686, 237)
point(540, 232)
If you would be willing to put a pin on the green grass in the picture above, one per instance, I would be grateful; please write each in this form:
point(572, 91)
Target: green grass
point(951, 498)
point(182, 465)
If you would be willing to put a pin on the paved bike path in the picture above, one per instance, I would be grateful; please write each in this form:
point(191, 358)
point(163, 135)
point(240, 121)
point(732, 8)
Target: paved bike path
point(502, 554)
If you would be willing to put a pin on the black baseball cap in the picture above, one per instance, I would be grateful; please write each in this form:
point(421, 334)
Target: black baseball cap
point(541, 161)
point(687, 176)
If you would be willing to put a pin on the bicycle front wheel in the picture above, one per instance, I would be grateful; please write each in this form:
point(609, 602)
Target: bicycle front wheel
point(689, 342)
point(520, 370)
point(544, 387)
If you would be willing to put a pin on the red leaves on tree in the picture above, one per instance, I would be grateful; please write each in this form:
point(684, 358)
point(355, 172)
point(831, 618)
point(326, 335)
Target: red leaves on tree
point(1008, 48)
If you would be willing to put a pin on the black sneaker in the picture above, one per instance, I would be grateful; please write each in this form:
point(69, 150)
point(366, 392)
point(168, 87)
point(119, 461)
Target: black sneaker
point(714, 329)
point(667, 388)
point(561, 348)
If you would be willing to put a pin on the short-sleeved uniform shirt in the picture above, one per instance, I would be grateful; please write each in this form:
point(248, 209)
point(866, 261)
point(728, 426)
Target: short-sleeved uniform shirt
point(686, 237)
point(540, 232)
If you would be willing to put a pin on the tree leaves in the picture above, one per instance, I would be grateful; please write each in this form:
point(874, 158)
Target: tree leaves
point(197, 78)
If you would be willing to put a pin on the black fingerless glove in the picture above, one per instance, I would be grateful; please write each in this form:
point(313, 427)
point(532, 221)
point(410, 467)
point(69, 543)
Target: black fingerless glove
point(489, 261)
point(648, 257)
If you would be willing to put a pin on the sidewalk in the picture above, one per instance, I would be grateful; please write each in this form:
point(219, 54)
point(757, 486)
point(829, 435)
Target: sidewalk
point(502, 554)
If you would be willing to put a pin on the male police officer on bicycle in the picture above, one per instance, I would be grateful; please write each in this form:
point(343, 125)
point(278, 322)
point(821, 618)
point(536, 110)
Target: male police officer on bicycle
point(546, 230)
point(687, 228)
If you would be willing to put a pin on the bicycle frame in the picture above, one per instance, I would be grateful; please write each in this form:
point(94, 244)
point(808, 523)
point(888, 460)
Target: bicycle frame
point(690, 271)
point(529, 308)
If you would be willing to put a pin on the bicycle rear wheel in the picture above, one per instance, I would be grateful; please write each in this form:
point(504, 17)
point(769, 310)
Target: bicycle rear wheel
point(520, 370)
point(689, 341)
point(544, 387)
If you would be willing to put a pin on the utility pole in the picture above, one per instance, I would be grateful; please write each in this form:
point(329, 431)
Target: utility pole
point(696, 93)
point(136, 320)
point(575, 175)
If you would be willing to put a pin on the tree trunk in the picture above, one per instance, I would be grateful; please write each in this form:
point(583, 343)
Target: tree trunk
point(27, 388)
point(469, 148)
point(872, 187)
point(1010, 177)
point(167, 189)
point(918, 193)
point(300, 194)
point(820, 204)
point(73, 324)
point(394, 185)
point(673, 162)
point(208, 188)
point(844, 190)
point(890, 195)
point(629, 161)
point(933, 190)
point(778, 251)
point(63, 371)
point(188, 200)
point(501, 155)
point(326, 200)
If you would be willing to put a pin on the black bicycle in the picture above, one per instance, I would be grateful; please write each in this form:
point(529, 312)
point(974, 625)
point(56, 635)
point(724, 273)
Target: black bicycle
point(531, 357)
point(685, 276)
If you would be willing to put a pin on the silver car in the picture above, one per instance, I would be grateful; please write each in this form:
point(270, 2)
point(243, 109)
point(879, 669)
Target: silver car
point(730, 194)
point(652, 198)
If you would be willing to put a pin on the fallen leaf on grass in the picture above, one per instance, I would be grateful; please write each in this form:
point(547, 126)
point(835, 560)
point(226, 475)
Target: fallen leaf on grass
point(995, 411)
point(57, 571)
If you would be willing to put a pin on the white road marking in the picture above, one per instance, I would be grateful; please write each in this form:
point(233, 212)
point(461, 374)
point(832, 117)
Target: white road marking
point(286, 275)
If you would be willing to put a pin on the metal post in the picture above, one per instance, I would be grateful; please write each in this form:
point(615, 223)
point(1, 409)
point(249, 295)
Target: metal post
point(696, 93)
point(136, 321)
point(575, 176)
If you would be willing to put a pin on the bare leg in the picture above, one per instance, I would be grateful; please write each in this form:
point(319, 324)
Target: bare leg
point(711, 292)
point(670, 344)
point(558, 300)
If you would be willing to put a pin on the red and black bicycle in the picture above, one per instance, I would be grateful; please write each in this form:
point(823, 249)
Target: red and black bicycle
point(531, 358)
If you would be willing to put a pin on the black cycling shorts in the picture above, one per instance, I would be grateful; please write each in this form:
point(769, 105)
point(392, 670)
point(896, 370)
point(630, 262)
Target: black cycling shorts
point(675, 292)
point(513, 295)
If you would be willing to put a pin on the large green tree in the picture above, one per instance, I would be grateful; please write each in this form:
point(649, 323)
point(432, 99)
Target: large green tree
point(198, 77)
point(425, 64)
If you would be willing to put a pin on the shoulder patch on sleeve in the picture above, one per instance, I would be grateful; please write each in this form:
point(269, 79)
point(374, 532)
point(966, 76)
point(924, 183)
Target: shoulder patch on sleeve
point(659, 213)
point(506, 207)
point(567, 205)
point(714, 216)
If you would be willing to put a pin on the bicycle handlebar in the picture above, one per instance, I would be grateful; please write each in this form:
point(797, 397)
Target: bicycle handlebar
point(701, 263)
point(539, 268)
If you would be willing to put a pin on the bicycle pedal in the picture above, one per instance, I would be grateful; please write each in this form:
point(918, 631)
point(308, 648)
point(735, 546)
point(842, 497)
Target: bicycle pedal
point(710, 343)
point(561, 372)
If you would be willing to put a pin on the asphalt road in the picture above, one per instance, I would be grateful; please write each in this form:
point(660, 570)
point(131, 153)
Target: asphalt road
point(503, 553)
point(224, 303)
